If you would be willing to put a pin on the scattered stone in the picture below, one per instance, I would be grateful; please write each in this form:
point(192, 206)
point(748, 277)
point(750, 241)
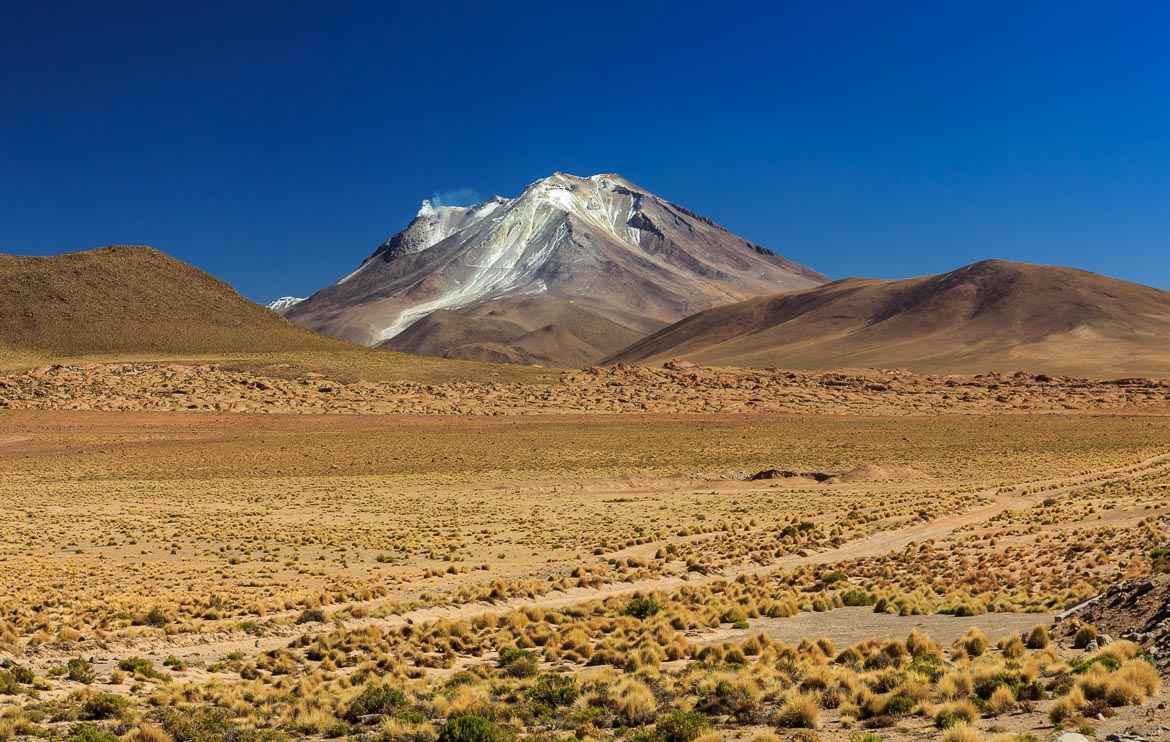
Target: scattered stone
point(675, 387)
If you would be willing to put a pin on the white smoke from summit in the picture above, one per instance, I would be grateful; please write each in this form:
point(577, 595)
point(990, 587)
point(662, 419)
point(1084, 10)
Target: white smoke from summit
point(456, 197)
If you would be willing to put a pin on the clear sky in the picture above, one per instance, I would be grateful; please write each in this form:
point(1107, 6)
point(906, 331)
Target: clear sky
point(277, 144)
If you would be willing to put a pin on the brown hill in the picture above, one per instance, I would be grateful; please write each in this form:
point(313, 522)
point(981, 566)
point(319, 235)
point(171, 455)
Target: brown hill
point(442, 330)
point(992, 315)
point(126, 299)
point(535, 312)
point(525, 330)
point(551, 345)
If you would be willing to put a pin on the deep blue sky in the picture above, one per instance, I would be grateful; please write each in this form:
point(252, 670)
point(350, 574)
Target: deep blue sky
point(276, 144)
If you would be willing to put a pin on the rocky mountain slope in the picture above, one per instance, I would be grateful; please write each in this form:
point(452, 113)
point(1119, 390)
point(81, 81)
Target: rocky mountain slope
point(130, 299)
point(992, 315)
point(606, 246)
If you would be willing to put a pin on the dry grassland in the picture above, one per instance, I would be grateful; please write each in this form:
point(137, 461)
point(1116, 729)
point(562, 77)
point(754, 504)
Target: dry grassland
point(233, 576)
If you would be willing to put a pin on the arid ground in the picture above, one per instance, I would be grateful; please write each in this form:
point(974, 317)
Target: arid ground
point(584, 556)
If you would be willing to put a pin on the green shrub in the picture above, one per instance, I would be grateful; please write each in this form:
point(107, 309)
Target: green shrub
point(104, 706)
point(518, 663)
point(681, 726)
point(8, 684)
point(88, 733)
point(472, 729)
point(984, 688)
point(898, 705)
point(508, 655)
point(641, 608)
point(210, 724)
point(928, 665)
point(1108, 663)
point(554, 690)
point(80, 671)
point(522, 668)
point(857, 597)
point(375, 700)
point(311, 615)
point(13, 678)
point(143, 667)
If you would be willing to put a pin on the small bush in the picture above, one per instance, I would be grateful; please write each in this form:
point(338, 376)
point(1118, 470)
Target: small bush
point(681, 726)
point(641, 608)
point(898, 705)
point(799, 711)
point(1001, 701)
point(508, 655)
point(374, 700)
point(1067, 707)
point(1084, 636)
point(633, 702)
point(1038, 637)
point(974, 642)
point(957, 712)
point(961, 733)
point(857, 597)
point(1133, 683)
point(984, 688)
point(104, 706)
point(554, 690)
point(524, 667)
point(87, 733)
point(142, 667)
point(80, 671)
point(312, 615)
point(472, 729)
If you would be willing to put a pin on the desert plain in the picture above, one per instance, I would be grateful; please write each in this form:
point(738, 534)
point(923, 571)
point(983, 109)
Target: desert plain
point(198, 551)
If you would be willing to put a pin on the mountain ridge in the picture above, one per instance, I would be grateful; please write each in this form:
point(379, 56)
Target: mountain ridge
point(990, 315)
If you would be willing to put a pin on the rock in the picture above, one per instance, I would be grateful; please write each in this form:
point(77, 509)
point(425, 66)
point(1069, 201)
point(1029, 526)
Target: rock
point(1071, 737)
point(1092, 646)
point(1104, 639)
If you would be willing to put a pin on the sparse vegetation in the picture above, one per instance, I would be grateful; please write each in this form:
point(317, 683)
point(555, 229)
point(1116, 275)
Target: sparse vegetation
point(551, 580)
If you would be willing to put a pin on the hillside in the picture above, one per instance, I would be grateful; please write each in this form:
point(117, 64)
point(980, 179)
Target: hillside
point(992, 315)
point(526, 330)
point(123, 299)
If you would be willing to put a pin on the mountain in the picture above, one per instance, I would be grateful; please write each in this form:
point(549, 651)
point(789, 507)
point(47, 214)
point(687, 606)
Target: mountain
point(602, 244)
point(284, 303)
point(992, 315)
point(531, 330)
point(130, 299)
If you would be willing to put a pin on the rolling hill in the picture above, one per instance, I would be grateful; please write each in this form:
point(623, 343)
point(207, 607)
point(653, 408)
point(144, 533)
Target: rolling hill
point(534, 330)
point(126, 299)
point(992, 315)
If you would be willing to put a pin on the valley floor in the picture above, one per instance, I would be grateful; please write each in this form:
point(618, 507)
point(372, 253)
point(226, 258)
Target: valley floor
point(591, 570)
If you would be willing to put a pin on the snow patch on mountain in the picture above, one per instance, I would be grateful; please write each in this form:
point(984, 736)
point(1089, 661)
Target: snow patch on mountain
point(284, 303)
